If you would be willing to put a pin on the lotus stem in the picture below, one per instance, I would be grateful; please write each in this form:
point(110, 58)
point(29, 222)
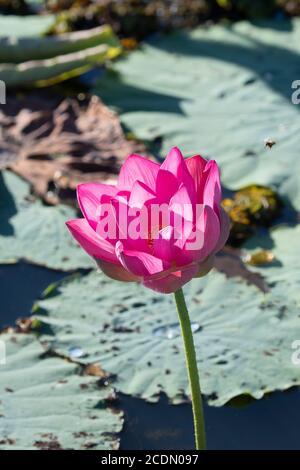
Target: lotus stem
point(191, 362)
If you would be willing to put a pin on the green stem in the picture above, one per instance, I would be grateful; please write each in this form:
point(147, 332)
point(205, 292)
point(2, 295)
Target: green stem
point(191, 362)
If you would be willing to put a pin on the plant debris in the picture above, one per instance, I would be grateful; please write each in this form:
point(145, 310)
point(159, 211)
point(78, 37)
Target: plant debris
point(230, 262)
point(250, 207)
point(95, 370)
point(58, 143)
point(139, 18)
point(259, 258)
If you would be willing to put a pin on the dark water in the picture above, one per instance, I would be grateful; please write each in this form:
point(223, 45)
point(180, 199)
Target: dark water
point(270, 423)
point(20, 285)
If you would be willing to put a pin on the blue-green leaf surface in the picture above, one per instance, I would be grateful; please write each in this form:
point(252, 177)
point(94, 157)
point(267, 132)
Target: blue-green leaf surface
point(45, 402)
point(34, 232)
point(219, 91)
point(243, 341)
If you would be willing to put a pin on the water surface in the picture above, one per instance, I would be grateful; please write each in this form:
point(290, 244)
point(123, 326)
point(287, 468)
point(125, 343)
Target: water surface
point(270, 423)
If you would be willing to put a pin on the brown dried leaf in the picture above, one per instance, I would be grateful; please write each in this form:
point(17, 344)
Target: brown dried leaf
point(95, 370)
point(57, 143)
point(229, 262)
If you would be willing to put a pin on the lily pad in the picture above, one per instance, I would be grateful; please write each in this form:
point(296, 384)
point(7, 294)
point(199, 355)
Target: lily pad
point(243, 341)
point(283, 274)
point(222, 91)
point(33, 232)
point(25, 26)
point(46, 404)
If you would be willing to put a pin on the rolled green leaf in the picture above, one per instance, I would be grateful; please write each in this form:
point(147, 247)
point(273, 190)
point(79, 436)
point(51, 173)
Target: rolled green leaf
point(19, 49)
point(62, 67)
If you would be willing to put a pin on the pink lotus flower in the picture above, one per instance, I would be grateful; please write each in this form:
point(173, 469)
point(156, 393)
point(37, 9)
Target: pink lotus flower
point(163, 257)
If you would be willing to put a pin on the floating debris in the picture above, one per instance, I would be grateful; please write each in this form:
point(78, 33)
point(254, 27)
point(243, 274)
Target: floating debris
point(249, 208)
point(26, 325)
point(129, 43)
point(139, 18)
point(95, 370)
point(259, 258)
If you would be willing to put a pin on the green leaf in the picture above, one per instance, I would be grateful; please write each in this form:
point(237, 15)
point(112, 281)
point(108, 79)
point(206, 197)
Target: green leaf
point(283, 275)
point(46, 404)
point(219, 91)
point(56, 69)
point(25, 26)
point(242, 340)
point(34, 232)
point(27, 58)
point(23, 49)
